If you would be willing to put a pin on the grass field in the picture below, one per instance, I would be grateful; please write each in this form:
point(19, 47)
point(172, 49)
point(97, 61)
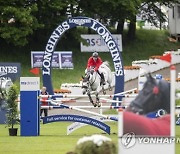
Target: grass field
point(53, 139)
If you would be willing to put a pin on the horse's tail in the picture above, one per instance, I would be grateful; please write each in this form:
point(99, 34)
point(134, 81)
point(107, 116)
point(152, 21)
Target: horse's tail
point(106, 63)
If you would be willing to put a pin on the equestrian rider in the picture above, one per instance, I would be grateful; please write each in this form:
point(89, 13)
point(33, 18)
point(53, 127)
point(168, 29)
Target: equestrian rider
point(94, 62)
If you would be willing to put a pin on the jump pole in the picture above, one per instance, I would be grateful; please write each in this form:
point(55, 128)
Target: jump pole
point(81, 101)
point(83, 107)
point(89, 112)
point(85, 96)
point(172, 102)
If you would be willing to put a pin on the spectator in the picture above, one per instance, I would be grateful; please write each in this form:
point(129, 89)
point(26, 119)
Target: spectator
point(44, 102)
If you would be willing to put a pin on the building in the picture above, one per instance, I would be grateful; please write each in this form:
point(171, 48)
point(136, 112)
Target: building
point(174, 21)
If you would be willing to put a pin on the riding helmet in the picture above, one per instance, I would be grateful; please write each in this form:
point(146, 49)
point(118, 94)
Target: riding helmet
point(95, 54)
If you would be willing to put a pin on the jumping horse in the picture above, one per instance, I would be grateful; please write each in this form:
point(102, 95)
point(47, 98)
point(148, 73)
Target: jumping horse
point(92, 82)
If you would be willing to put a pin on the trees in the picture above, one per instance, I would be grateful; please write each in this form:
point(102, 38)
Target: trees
point(21, 18)
point(17, 21)
point(151, 11)
point(37, 18)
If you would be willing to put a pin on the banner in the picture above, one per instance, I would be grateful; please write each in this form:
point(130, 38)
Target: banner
point(66, 60)
point(62, 60)
point(96, 43)
point(77, 118)
point(76, 125)
point(10, 71)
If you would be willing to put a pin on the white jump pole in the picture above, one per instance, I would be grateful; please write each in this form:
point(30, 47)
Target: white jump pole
point(84, 107)
point(81, 101)
point(120, 129)
point(172, 99)
point(85, 96)
point(85, 111)
point(110, 100)
point(64, 101)
point(172, 102)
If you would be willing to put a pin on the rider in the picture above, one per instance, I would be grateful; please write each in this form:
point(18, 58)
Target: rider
point(94, 62)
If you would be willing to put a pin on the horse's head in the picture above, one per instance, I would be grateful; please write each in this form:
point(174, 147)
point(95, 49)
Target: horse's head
point(86, 82)
point(154, 95)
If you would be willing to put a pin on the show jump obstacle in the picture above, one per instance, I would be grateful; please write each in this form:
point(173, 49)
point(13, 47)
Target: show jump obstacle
point(29, 106)
point(30, 117)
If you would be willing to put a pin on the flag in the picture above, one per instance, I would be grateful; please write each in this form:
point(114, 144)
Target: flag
point(166, 57)
point(35, 71)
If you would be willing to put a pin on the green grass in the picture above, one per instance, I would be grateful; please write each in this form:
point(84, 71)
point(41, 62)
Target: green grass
point(53, 139)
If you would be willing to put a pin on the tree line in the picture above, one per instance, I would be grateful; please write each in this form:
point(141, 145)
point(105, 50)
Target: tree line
point(22, 21)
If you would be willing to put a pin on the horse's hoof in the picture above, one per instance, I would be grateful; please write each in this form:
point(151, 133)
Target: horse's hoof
point(104, 92)
point(95, 105)
point(99, 105)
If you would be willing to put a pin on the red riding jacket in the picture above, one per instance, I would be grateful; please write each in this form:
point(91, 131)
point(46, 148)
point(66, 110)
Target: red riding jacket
point(95, 64)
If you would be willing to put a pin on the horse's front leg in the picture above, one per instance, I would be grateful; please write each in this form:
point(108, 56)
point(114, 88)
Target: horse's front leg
point(97, 96)
point(91, 100)
point(110, 87)
point(97, 100)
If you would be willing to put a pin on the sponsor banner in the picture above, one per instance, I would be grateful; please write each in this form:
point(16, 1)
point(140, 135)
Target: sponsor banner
point(97, 43)
point(66, 60)
point(62, 60)
point(77, 118)
point(10, 71)
point(37, 59)
point(29, 83)
point(76, 125)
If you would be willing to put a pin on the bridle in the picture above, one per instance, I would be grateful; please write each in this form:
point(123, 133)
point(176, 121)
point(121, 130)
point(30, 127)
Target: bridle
point(89, 84)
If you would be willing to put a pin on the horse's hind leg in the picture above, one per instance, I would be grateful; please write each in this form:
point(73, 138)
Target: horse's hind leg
point(110, 87)
point(103, 90)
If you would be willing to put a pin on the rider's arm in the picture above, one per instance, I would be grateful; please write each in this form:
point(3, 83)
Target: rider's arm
point(99, 62)
point(89, 64)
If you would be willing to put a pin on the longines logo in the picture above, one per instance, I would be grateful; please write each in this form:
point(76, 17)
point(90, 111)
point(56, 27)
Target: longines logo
point(4, 70)
point(79, 21)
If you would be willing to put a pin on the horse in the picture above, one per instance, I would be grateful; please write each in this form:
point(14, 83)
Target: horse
point(155, 95)
point(92, 82)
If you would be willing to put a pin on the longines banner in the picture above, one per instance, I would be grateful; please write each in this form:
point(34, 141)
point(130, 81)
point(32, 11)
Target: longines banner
point(61, 59)
point(10, 71)
point(97, 43)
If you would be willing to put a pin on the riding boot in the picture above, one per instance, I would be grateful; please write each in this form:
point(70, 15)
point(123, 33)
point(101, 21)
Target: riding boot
point(102, 79)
